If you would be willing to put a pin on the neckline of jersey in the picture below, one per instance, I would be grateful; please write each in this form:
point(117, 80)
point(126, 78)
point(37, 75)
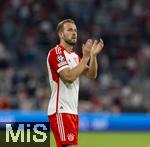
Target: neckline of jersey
point(72, 51)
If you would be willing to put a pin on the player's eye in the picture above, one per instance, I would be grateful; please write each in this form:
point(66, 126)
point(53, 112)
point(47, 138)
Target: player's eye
point(72, 30)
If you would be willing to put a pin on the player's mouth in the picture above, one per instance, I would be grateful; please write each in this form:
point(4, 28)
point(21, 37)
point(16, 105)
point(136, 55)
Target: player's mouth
point(74, 38)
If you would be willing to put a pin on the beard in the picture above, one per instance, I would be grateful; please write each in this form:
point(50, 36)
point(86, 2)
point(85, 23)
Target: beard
point(71, 41)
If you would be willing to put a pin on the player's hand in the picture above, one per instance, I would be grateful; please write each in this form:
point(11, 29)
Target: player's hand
point(86, 48)
point(97, 47)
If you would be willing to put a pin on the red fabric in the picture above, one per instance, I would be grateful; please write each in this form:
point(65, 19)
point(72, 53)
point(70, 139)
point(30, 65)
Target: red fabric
point(65, 128)
point(57, 58)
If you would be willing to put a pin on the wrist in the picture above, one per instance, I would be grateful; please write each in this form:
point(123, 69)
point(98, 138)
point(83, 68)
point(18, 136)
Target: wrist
point(93, 55)
point(85, 60)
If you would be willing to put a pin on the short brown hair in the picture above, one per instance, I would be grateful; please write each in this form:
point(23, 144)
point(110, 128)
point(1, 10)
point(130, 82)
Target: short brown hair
point(61, 24)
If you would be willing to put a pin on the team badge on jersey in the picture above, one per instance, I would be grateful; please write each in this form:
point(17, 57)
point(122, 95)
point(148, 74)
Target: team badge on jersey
point(70, 137)
point(60, 58)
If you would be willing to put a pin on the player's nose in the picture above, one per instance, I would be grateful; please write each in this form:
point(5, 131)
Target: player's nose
point(74, 33)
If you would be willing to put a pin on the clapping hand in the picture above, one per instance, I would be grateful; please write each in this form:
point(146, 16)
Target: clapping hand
point(86, 48)
point(97, 47)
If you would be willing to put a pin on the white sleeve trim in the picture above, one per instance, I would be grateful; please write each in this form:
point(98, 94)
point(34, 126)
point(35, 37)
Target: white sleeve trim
point(63, 67)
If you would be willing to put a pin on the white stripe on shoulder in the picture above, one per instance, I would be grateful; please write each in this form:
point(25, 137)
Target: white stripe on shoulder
point(48, 56)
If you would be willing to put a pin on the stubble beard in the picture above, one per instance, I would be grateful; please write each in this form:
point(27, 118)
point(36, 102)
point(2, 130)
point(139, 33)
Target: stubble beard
point(70, 42)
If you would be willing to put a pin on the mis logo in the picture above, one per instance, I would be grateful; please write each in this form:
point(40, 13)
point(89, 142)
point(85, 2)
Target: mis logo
point(27, 133)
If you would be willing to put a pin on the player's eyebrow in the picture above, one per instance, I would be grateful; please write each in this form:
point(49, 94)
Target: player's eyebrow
point(69, 29)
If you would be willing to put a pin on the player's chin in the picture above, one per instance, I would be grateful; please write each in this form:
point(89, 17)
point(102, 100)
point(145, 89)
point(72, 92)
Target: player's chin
point(73, 43)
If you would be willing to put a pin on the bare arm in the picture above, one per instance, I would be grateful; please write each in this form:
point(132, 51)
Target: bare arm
point(69, 75)
point(91, 70)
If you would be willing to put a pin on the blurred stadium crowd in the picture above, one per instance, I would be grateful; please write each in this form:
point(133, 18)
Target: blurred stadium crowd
point(28, 31)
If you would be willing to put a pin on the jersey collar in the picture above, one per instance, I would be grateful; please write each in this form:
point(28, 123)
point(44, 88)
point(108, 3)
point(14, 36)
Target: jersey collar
point(65, 49)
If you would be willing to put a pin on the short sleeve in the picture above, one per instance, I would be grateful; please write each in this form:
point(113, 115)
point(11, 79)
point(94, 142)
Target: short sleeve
point(58, 61)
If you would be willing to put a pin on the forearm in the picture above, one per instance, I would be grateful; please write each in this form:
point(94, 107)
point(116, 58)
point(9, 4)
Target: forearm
point(92, 70)
point(69, 75)
point(76, 72)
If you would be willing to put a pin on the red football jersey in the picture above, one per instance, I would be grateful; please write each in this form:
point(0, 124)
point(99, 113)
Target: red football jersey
point(64, 96)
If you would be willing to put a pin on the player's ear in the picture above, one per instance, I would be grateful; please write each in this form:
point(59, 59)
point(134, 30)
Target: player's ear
point(60, 34)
